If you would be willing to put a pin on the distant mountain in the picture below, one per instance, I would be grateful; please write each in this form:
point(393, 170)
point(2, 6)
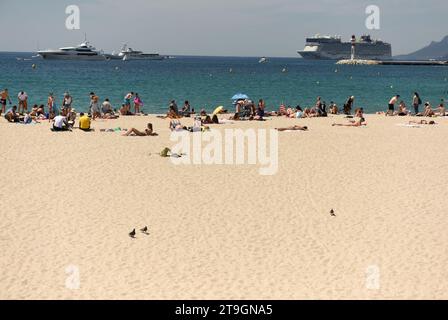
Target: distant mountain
point(435, 50)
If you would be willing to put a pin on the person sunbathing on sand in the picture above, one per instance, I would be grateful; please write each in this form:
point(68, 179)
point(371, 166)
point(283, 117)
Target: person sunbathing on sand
point(175, 125)
point(422, 122)
point(148, 132)
point(296, 127)
point(358, 123)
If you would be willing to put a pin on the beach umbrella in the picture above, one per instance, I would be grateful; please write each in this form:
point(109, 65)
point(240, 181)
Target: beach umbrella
point(240, 96)
point(218, 110)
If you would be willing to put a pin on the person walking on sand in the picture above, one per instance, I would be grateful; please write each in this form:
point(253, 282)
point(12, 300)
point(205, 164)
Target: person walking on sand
point(4, 95)
point(22, 101)
point(392, 103)
point(416, 102)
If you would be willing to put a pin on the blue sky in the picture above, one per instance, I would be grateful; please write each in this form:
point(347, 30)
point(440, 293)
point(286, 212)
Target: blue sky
point(217, 27)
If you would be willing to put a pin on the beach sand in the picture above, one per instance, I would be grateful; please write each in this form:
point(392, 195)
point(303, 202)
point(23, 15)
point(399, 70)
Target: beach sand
point(69, 200)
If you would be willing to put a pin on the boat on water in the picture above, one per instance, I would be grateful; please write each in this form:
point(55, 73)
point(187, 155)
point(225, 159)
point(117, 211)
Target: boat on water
point(263, 60)
point(333, 48)
point(84, 51)
point(127, 53)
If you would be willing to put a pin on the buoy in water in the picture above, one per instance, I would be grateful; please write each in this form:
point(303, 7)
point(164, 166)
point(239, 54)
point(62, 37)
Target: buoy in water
point(33, 66)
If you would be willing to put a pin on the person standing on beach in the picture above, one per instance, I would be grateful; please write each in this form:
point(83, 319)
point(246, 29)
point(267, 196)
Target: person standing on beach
point(260, 108)
point(127, 102)
point(416, 102)
point(22, 101)
point(349, 105)
point(392, 103)
point(50, 103)
point(4, 95)
point(67, 103)
point(94, 106)
point(138, 103)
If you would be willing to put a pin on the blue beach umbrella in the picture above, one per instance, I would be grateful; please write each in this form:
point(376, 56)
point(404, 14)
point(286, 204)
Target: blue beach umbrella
point(240, 96)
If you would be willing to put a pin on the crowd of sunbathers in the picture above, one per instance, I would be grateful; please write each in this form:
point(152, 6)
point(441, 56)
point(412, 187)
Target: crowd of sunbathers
point(63, 118)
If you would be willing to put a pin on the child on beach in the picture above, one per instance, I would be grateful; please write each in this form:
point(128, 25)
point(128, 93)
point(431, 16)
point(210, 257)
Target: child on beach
point(138, 103)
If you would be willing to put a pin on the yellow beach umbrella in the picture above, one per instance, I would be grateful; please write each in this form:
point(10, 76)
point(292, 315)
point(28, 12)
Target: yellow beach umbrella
point(218, 110)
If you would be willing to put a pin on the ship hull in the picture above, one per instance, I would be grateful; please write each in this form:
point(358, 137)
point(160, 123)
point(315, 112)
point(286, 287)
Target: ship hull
point(340, 51)
point(50, 56)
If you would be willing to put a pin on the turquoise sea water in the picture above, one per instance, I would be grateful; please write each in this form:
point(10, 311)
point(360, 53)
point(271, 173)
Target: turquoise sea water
point(207, 81)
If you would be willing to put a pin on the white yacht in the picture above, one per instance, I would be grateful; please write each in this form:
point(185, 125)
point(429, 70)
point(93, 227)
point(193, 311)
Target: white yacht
point(128, 53)
point(84, 51)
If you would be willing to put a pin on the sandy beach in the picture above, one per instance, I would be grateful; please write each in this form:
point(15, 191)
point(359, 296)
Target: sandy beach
point(69, 200)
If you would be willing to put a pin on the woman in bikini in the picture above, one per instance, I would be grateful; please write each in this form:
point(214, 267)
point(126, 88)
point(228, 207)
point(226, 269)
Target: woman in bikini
point(148, 132)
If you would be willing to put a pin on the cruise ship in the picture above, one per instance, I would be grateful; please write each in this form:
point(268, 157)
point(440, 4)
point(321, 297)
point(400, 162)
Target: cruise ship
point(332, 48)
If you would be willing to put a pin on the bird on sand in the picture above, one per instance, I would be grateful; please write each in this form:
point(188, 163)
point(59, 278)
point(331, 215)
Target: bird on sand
point(332, 213)
point(144, 230)
point(132, 234)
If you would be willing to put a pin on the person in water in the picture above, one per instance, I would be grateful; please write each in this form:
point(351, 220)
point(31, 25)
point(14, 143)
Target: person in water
point(148, 132)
